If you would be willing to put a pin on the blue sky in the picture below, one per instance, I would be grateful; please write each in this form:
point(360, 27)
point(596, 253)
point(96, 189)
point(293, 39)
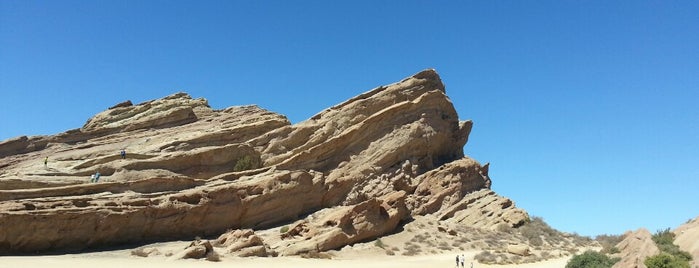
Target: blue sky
point(586, 110)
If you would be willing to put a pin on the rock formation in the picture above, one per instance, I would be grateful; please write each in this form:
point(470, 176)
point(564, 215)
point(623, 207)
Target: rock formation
point(687, 238)
point(635, 248)
point(354, 172)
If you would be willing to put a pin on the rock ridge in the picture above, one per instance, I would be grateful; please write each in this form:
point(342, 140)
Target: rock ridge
point(353, 172)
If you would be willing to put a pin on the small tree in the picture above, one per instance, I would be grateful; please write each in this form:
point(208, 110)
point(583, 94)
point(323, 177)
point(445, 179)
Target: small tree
point(591, 259)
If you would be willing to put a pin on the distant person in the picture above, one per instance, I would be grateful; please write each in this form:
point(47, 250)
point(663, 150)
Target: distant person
point(92, 178)
point(123, 154)
point(97, 176)
point(457, 260)
point(471, 264)
point(462, 260)
point(46, 161)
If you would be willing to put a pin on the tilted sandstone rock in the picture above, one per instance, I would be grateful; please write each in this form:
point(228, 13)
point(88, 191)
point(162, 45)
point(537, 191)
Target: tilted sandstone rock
point(687, 238)
point(336, 227)
point(244, 243)
point(351, 173)
point(635, 248)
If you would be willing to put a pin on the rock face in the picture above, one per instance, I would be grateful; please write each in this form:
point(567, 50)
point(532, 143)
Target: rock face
point(635, 248)
point(351, 173)
point(687, 238)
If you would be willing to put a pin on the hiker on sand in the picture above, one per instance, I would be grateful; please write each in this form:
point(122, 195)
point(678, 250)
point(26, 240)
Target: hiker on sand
point(457, 260)
point(123, 154)
point(46, 161)
point(471, 264)
point(462, 260)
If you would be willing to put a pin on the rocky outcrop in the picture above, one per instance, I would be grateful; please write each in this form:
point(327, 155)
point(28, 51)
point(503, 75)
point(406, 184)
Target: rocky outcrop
point(687, 238)
point(337, 227)
point(198, 249)
point(21, 145)
point(176, 109)
point(243, 243)
point(351, 173)
point(635, 248)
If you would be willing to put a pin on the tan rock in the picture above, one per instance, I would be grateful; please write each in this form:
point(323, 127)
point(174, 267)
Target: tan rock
point(635, 248)
point(338, 227)
point(350, 173)
point(198, 249)
point(687, 238)
point(243, 242)
point(521, 250)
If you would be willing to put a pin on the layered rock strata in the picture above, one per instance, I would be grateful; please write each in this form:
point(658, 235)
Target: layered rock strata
point(351, 173)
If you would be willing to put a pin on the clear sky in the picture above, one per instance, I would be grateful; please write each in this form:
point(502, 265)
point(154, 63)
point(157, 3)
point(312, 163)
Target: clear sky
point(586, 110)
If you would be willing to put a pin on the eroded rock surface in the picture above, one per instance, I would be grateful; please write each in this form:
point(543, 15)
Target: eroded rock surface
point(635, 248)
point(687, 238)
point(351, 173)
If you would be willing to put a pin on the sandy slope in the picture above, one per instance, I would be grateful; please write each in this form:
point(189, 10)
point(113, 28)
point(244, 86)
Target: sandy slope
point(122, 259)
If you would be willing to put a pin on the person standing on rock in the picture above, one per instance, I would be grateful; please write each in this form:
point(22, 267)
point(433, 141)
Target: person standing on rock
point(123, 154)
point(92, 178)
point(46, 161)
point(97, 176)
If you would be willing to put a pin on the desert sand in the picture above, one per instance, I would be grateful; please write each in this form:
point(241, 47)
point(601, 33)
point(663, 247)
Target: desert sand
point(123, 259)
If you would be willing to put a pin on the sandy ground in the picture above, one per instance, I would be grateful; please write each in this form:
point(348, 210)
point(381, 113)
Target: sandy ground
point(122, 259)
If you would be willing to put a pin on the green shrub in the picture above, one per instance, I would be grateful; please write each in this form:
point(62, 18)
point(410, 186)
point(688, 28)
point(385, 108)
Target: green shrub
point(670, 254)
point(246, 163)
point(591, 259)
point(664, 260)
point(663, 237)
point(284, 229)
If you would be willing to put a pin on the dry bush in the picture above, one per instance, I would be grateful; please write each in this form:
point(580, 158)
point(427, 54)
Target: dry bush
point(504, 228)
point(485, 257)
point(545, 255)
point(379, 243)
point(516, 259)
point(139, 252)
point(536, 241)
point(609, 242)
point(444, 246)
point(411, 249)
point(418, 238)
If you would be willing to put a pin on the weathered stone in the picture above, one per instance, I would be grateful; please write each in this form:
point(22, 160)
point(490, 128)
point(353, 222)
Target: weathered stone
point(635, 248)
point(351, 173)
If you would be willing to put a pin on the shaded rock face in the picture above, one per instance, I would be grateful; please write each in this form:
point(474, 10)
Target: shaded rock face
point(635, 248)
point(351, 173)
